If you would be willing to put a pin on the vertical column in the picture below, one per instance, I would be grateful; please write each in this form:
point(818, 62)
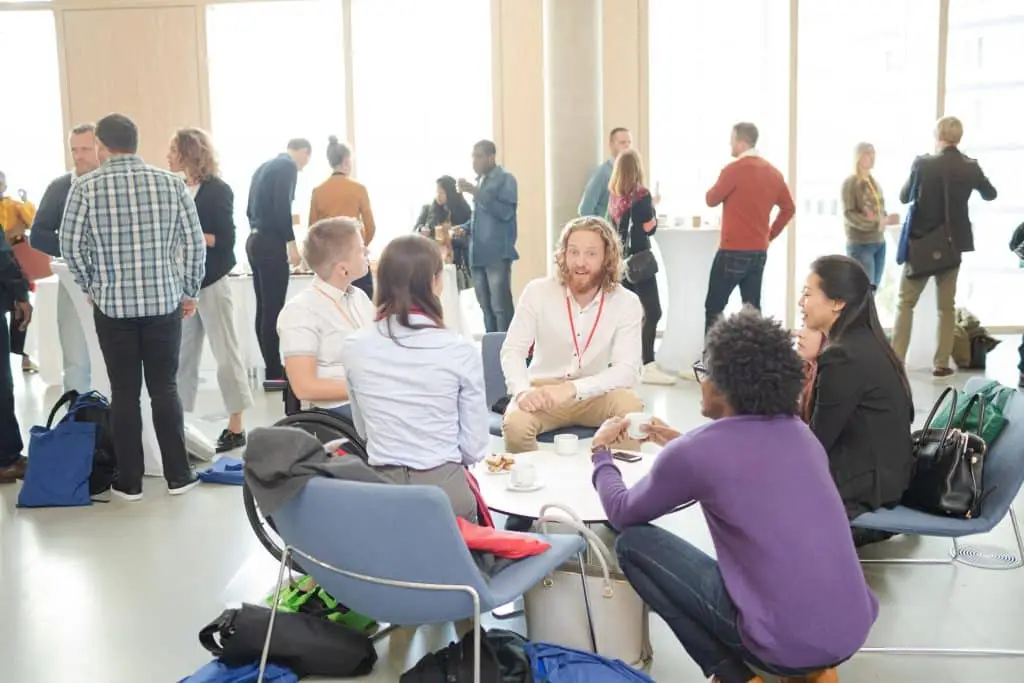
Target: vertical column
point(575, 137)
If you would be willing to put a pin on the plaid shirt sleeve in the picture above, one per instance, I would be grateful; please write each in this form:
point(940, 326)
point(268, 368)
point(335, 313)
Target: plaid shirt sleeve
point(194, 251)
point(76, 238)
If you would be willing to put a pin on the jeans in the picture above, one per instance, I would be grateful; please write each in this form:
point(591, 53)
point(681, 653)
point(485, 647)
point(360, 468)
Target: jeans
point(684, 586)
point(493, 286)
point(269, 261)
point(11, 444)
point(365, 283)
point(729, 270)
point(133, 348)
point(214, 318)
point(871, 256)
point(73, 347)
point(18, 336)
point(647, 292)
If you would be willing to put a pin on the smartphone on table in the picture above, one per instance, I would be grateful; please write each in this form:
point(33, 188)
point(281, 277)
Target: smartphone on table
point(626, 457)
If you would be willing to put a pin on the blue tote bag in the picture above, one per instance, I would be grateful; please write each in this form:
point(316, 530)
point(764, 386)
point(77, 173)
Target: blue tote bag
point(59, 465)
point(903, 248)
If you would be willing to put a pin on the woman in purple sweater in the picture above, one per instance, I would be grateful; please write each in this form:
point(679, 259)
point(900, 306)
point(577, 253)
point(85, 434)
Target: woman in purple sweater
point(786, 594)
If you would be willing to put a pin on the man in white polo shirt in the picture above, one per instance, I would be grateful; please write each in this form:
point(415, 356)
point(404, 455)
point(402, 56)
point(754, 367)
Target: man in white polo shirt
point(584, 327)
point(314, 323)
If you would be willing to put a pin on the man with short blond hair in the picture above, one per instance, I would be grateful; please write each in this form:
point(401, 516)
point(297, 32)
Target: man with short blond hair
point(584, 327)
point(943, 183)
point(314, 323)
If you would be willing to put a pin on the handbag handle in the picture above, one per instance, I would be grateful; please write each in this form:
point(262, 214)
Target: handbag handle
point(595, 542)
point(980, 400)
point(67, 398)
point(220, 626)
point(935, 408)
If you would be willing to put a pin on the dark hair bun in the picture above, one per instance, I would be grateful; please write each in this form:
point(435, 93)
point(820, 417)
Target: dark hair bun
point(332, 140)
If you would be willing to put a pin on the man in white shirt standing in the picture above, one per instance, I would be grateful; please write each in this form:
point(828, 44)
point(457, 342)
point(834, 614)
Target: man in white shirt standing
point(314, 323)
point(584, 327)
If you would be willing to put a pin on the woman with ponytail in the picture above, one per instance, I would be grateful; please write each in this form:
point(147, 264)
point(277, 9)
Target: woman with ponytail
point(862, 407)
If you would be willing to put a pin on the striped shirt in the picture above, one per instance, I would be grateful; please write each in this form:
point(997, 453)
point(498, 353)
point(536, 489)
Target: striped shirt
point(132, 239)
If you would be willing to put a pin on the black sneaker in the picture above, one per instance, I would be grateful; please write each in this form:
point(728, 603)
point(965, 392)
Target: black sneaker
point(129, 493)
point(229, 441)
point(177, 488)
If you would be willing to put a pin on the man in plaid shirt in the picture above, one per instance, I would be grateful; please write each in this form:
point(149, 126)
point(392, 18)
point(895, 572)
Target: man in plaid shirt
point(133, 243)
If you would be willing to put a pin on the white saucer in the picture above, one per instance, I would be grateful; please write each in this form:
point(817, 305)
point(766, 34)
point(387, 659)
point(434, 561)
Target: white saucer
point(495, 474)
point(536, 486)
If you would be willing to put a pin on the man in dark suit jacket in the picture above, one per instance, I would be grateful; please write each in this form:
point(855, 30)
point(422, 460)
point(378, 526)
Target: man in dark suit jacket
point(14, 298)
point(947, 168)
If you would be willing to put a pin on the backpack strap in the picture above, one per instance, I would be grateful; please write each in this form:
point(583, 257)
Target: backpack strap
point(68, 398)
point(217, 627)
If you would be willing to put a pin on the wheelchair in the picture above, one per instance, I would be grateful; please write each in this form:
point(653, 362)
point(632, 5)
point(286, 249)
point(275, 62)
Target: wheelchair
point(328, 428)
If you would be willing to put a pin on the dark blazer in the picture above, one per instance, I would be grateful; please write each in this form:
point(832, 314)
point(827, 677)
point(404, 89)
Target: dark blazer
point(13, 285)
point(215, 204)
point(965, 176)
point(44, 234)
point(862, 416)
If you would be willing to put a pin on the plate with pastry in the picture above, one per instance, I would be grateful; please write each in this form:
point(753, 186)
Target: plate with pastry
point(499, 463)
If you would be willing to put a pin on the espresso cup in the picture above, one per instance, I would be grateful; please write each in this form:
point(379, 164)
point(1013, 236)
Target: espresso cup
point(566, 444)
point(523, 475)
point(636, 420)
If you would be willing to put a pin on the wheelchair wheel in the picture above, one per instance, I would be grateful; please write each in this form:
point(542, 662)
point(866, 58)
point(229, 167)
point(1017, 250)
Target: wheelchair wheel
point(326, 427)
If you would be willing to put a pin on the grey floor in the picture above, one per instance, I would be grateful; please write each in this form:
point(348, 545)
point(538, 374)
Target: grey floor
point(116, 593)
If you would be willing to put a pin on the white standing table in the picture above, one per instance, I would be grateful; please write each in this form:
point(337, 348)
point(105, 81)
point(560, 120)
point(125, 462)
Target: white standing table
point(565, 479)
point(686, 254)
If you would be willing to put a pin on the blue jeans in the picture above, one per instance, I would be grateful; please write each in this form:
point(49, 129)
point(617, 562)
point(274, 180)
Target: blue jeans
point(493, 285)
point(344, 411)
point(729, 270)
point(685, 587)
point(871, 256)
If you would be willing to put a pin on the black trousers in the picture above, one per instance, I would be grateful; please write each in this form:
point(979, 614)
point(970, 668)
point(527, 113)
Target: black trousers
point(268, 258)
point(11, 444)
point(134, 348)
point(365, 283)
point(647, 291)
point(17, 337)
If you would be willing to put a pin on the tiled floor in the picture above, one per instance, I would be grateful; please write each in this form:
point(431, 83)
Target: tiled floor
point(117, 593)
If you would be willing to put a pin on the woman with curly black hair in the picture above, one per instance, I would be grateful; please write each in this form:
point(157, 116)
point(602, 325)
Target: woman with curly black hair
point(787, 594)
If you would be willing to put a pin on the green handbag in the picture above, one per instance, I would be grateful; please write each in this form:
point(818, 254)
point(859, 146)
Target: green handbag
point(996, 397)
point(305, 596)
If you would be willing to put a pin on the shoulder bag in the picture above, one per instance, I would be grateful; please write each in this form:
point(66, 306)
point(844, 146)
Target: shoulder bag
point(605, 616)
point(948, 478)
point(641, 266)
point(934, 252)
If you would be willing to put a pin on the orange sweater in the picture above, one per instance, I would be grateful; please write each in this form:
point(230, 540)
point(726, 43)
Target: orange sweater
point(339, 195)
point(751, 187)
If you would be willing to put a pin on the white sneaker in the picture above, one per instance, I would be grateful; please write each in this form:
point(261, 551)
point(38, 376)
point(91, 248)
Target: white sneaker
point(652, 374)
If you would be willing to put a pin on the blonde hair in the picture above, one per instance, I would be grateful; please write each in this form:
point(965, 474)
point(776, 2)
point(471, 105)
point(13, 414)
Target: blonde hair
point(627, 173)
point(612, 266)
point(859, 151)
point(196, 152)
point(949, 129)
point(328, 242)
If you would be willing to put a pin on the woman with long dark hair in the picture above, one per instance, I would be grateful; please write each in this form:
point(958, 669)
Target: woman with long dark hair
point(449, 208)
point(862, 404)
point(416, 388)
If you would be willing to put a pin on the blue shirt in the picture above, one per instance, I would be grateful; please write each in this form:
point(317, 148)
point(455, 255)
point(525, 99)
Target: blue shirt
point(419, 401)
point(132, 240)
point(596, 195)
point(493, 229)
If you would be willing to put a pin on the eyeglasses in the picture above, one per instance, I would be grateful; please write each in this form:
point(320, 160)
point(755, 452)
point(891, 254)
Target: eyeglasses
point(700, 372)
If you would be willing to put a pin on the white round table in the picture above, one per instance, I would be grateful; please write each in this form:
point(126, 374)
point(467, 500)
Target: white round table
point(565, 479)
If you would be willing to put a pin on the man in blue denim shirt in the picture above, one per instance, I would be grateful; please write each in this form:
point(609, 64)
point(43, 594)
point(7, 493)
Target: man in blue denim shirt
point(492, 235)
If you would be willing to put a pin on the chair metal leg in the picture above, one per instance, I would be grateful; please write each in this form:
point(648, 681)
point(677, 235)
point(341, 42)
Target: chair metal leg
point(273, 612)
point(586, 601)
point(476, 635)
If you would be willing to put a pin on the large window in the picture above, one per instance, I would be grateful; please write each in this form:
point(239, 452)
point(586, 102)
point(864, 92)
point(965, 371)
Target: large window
point(266, 88)
point(422, 94)
point(31, 124)
point(985, 89)
point(713, 64)
point(867, 72)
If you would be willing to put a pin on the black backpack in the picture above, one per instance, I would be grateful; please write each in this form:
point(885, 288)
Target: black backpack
point(503, 659)
point(93, 407)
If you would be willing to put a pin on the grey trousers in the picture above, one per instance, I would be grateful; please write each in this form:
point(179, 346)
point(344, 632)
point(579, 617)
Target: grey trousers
point(450, 477)
point(215, 317)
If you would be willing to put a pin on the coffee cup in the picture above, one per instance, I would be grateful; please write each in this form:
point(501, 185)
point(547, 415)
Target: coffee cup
point(523, 475)
point(566, 444)
point(636, 420)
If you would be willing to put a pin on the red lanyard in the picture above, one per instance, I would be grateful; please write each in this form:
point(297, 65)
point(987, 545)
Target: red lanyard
point(590, 337)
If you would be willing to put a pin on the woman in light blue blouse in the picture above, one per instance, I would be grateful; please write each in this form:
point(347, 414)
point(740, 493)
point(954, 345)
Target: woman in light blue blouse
point(417, 388)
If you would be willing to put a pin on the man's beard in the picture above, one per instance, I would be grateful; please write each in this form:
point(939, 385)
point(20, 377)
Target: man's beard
point(581, 286)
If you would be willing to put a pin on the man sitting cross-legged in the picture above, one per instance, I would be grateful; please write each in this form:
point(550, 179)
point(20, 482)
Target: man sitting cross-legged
point(585, 330)
point(315, 322)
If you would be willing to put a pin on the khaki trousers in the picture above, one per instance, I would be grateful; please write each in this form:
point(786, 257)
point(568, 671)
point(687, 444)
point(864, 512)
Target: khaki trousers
point(910, 292)
point(521, 428)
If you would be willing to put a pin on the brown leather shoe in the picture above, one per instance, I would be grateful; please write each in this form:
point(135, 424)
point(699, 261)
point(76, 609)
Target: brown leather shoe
point(942, 372)
point(12, 473)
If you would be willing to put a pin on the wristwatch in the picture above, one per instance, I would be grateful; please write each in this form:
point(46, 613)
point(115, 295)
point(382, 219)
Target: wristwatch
point(598, 450)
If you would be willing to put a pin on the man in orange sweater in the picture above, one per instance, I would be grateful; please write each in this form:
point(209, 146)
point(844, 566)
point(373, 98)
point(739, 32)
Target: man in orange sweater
point(749, 188)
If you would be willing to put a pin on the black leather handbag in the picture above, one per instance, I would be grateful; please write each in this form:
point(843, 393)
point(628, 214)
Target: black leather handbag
point(934, 252)
point(948, 477)
point(641, 266)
